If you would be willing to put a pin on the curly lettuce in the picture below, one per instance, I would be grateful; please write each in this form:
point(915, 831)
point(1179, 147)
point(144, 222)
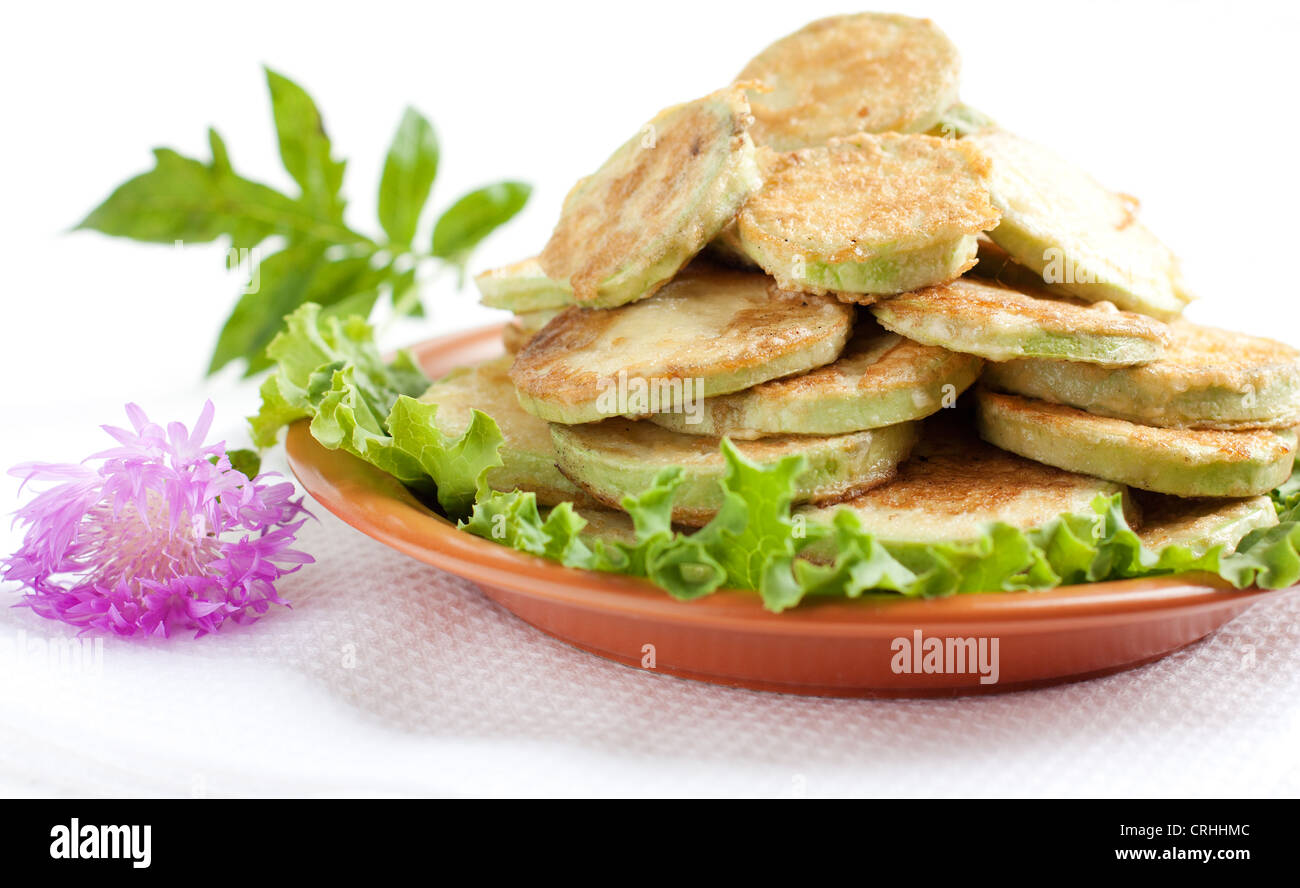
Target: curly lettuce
point(329, 370)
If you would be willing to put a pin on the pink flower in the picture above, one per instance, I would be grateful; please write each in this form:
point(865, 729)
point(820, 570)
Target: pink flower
point(161, 535)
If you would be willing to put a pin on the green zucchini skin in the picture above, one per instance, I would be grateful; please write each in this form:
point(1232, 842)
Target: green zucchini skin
point(1206, 379)
point(1002, 323)
point(1182, 462)
point(612, 459)
point(881, 379)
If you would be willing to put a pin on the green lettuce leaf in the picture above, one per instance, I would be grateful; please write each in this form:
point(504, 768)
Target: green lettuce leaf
point(752, 536)
point(513, 519)
point(308, 352)
point(862, 564)
point(1286, 498)
point(329, 370)
point(651, 514)
point(1269, 557)
point(456, 464)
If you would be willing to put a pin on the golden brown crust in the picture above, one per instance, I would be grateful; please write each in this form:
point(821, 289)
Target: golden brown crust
point(625, 208)
point(1199, 520)
point(514, 336)
point(1232, 446)
point(955, 473)
point(869, 72)
point(610, 525)
point(883, 477)
point(873, 361)
point(1173, 514)
point(953, 485)
point(864, 195)
point(523, 327)
point(539, 366)
point(906, 363)
point(707, 322)
point(1205, 378)
point(992, 305)
point(857, 298)
point(553, 496)
point(1209, 355)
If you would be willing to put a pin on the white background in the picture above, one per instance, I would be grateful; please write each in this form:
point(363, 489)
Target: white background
point(1186, 105)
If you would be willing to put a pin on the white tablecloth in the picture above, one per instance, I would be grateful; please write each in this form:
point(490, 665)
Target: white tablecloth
point(391, 677)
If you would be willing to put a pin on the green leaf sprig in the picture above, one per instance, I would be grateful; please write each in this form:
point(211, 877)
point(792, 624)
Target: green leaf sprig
point(318, 257)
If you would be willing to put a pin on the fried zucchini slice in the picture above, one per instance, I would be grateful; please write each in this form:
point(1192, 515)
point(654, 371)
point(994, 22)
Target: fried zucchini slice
point(1000, 323)
point(870, 215)
point(726, 249)
point(1206, 379)
point(657, 201)
point(994, 263)
point(607, 525)
point(710, 332)
point(960, 121)
point(524, 326)
point(1182, 462)
point(1079, 237)
point(527, 454)
point(612, 459)
point(869, 72)
point(522, 287)
point(1199, 524)
point(881, 379)
point(954, 485)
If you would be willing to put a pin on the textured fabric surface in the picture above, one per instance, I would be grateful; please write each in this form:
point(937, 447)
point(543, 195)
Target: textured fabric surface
point(392, 677)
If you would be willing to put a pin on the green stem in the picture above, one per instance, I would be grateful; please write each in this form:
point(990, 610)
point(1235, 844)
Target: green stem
point(403, 304)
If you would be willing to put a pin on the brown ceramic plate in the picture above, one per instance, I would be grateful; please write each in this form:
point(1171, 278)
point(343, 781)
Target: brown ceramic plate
point(842, 648)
